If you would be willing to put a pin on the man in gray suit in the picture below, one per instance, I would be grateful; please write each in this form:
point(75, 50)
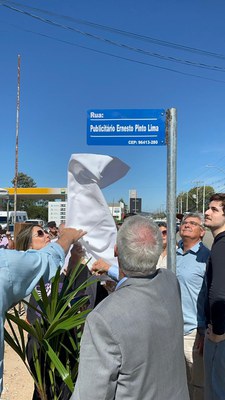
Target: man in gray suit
point(132, 345)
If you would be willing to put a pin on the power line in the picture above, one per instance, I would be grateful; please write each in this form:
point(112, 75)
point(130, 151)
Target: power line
point(121, 45)
point(125, 33)
point(123, 58)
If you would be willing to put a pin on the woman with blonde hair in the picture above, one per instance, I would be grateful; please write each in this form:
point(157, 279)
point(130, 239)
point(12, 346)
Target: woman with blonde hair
point(32, 237)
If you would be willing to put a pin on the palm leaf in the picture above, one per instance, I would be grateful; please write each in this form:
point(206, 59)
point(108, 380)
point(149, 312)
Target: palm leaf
point(20, 323)
point(59, 366)
point(57, 332)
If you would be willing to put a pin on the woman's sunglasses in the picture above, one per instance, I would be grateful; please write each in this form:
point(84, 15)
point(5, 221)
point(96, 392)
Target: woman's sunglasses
point(39, 233)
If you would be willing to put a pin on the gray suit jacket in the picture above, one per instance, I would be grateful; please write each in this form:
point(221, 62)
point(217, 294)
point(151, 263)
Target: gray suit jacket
point(132, 345)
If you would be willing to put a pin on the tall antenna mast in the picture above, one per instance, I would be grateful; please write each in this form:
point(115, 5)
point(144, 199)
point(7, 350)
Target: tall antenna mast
point(17, 137)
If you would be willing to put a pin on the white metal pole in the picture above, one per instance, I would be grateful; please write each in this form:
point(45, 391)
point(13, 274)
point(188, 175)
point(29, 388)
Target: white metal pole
point(171, 125)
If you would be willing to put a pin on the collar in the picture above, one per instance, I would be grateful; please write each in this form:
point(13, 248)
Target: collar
point(194, 249)
point(139, 277)
point(121, 281)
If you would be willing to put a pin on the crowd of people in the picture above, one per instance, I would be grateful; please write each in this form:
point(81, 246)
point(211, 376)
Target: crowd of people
point(154, 335)
point(6, 240)
point(202, 294)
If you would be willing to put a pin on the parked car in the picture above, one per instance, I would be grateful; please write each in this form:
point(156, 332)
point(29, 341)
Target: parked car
point(35, 222)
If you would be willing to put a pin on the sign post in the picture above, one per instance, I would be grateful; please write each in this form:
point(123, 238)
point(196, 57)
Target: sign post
point(142, 128)
point(171, 127)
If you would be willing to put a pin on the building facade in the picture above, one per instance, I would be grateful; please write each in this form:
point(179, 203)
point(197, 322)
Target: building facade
point(117, 210)
point(57, 211)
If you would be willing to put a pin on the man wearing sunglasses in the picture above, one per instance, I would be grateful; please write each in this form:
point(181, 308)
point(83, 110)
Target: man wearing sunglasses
point(20, 272)
point(192, 257)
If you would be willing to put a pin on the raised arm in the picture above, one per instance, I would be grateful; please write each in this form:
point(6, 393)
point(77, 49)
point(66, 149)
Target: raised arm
point(68, 237)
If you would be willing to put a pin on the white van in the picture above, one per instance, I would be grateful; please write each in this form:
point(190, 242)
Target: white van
point(21, 216)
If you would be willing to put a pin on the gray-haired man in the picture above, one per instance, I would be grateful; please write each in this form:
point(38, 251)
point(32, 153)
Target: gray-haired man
point(192, 257)
point(126, 349)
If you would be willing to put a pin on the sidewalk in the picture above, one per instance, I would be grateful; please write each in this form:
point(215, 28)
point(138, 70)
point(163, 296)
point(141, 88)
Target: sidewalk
point(17, 382)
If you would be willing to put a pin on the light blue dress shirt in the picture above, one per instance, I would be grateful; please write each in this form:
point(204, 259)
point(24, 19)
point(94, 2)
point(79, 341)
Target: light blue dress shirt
point(19, 273)
point(113, 272)
point(190, 271)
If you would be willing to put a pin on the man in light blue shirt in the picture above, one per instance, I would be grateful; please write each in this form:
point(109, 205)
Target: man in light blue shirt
point(20, 272)
point(192, 257)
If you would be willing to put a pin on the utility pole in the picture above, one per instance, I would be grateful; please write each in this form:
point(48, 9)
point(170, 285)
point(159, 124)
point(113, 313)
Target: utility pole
point(197, 198)
point(203, 200)
point(17, 138)
point(181, 205)
point(187, 202)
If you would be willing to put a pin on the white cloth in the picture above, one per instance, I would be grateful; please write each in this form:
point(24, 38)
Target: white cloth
point(87, 208)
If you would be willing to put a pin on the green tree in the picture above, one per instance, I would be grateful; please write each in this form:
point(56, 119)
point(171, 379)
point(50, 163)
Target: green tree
point(195, 199)
point(24, 181)
point(40, 212)
point(33, 210)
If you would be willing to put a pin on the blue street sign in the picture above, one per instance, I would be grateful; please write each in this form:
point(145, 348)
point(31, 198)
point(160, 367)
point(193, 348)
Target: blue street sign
point(126, 127)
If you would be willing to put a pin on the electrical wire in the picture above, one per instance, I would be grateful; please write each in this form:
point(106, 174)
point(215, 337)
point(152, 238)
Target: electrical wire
point(125, 58)
point(125, 33)
point(121, 45)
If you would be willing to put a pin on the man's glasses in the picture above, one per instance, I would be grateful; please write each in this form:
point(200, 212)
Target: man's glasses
point(193, 223)
point(164, 233)
point(39, 233)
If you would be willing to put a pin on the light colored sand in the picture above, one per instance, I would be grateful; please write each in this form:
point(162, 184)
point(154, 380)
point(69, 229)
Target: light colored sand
point(17, 382)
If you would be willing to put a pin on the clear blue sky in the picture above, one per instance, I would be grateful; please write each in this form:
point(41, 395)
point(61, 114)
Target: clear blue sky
point(65, 72)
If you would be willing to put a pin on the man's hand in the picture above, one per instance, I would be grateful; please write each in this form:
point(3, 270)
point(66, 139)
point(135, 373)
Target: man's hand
point(212, 336)
point(199, 343)
point(100, 267)
point(69, 236)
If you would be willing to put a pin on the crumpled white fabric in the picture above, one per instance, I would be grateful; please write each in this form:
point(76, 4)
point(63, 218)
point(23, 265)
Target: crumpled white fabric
point(87, 208)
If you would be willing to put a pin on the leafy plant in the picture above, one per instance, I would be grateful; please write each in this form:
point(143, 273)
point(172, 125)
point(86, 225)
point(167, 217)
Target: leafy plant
point(55, 335)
